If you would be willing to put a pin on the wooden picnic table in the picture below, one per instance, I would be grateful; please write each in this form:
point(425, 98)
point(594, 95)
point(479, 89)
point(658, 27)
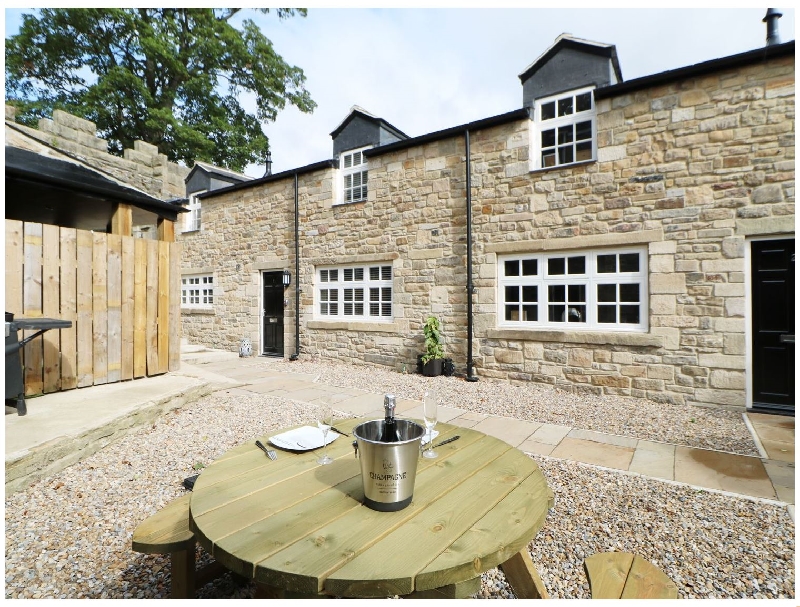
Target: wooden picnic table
point(300, 529)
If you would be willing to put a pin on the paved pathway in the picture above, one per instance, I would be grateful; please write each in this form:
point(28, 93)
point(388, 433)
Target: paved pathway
point(65, 422)
point(770, 477)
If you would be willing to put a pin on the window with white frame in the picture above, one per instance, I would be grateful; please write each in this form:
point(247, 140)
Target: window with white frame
point(565, 129)
point(582, 290)
point(353, 165)
point(361, 292)
point(192, 223)
point(197, 291)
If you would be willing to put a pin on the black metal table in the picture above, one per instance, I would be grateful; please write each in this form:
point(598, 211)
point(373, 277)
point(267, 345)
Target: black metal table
point(15, 384)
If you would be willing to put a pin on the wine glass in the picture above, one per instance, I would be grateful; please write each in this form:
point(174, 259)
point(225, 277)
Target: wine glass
point(324, 422)
point(429, 414)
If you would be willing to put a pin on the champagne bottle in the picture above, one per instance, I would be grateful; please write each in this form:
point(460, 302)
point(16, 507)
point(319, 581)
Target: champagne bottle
point(389, 434)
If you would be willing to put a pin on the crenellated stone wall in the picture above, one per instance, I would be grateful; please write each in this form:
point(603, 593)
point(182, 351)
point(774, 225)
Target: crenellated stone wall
point(142, 167)
point(689, 170)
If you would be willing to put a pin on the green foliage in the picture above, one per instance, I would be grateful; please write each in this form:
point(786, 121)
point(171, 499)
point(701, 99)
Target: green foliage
point(173, 77)
point(433, 345)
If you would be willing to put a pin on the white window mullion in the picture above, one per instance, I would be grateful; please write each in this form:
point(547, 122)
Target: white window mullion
point(197, 291)
point(565, 128)
point(354, 175)
point(565, 288)
point(355, 293)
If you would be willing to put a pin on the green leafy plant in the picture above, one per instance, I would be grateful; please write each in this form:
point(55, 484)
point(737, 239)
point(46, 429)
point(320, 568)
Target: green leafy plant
point(433, 345)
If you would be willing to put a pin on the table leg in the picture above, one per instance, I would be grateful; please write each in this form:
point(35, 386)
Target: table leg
point(270, 592)
point(523, 577)
point(182, 565)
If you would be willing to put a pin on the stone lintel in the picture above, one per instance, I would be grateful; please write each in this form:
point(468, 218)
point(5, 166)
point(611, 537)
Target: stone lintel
point(278, 264)
point(353, 259)
point(765, 225)
point(203, 270)
point(578, 242)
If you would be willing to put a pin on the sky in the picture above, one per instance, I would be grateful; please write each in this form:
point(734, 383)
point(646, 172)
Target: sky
point(425, 70)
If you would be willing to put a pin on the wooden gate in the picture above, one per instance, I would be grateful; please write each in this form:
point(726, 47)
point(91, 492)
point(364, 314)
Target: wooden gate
point(121, 293)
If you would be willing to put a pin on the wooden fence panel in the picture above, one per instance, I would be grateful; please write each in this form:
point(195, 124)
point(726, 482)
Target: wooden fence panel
point(126, 371)
point(121, 294)
point(100, 307)
point(32, 304)
point(68, 288)
point(114, 304)
point(14, 266)
point(163, 306)
point(84, 332)
point(174, 306)
point(139, 308)
point(51, 279)
point(151, 327)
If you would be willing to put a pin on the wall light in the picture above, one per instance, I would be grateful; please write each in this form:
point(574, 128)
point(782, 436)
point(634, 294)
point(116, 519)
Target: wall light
point(287, 278)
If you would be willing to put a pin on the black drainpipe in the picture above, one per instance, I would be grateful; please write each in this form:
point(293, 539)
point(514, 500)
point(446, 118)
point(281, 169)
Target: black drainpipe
point(296, 354)
point(470, 364)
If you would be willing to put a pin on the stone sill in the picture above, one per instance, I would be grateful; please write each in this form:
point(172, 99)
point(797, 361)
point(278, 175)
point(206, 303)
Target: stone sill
point(563, 166)
point(363, 327)
point(191, 311)
point(579, 337)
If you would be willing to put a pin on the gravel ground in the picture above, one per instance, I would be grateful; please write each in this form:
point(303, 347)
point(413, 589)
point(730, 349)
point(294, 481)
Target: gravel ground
point(69, 536)
point(692, 426)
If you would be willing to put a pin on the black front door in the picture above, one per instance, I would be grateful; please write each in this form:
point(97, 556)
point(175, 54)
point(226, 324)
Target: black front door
point(772, 273)
point(272, 314)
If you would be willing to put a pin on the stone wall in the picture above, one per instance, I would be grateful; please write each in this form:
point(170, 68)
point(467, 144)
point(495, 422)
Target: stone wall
point(142, 167)
point(688, 169)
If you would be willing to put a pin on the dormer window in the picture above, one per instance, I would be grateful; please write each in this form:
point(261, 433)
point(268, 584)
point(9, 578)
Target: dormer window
point(353, 165)
point(565, 129)
point(193, 216)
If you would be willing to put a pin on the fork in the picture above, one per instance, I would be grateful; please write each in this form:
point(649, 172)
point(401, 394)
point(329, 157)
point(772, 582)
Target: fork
point(270, 453)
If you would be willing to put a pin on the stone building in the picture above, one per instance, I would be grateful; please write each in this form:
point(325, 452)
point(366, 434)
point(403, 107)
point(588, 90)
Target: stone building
point(620, 237)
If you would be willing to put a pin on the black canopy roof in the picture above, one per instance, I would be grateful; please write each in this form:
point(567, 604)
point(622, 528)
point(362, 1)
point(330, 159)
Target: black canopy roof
point(67, 193)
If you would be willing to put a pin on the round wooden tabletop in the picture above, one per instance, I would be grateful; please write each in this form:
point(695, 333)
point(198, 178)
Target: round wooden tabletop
point(296, 526)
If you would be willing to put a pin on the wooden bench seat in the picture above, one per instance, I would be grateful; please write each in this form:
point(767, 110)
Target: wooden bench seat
point(167, 532)
point(622, 575)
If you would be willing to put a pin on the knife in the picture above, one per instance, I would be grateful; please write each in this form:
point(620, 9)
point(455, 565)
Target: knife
point(448, 440)
point(339, 431)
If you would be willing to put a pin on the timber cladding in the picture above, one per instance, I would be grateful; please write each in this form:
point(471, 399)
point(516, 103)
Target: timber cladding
point(121, 293)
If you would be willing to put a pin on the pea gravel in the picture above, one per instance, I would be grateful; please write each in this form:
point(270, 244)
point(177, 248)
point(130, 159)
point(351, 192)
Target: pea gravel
point(68, 536)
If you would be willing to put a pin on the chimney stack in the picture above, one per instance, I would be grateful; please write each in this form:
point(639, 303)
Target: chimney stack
point(771, 19)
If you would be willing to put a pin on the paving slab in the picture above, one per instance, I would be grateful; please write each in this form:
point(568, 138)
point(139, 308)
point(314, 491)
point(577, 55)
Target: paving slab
point(530, 445)
point(593, 452)
point(62, 428)
point(444, 414)
point(781, 451)
point(782, 475)
point(512, 431)
point(550, 434)
point(600, 437)
point(723, 471)
point(654, 459)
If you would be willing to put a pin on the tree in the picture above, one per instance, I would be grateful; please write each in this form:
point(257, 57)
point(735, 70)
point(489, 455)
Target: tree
point(171, 77)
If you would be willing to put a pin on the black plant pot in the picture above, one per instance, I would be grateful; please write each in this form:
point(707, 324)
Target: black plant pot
point(433, 367)
point(448, 368)
point(419, 364)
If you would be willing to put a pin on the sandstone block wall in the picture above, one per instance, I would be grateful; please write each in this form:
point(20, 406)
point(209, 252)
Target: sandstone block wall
point(142, 167)
point(690, 170)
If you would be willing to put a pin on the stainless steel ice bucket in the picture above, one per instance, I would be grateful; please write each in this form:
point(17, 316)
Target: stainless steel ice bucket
point(388, 470)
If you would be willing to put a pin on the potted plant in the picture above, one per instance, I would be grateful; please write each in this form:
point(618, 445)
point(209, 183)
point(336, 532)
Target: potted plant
point(433, 358)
